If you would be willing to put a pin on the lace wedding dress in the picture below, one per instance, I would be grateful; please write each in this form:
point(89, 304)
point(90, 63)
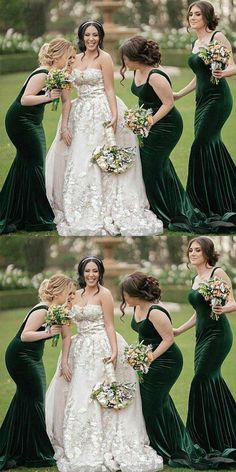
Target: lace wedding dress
point(85, 436)
point(85, 200)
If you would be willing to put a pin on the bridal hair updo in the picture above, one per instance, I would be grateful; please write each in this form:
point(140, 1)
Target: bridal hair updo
point(209, 16)
point(54, 50)
point(81, 33)
point(139, 285)
point(207, 247)
point(53, 286)
point(139, 49)
point(81, 268)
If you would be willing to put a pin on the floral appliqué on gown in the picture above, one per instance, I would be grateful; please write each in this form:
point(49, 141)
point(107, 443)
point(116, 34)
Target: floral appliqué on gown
point(85, 200)
point(85, 436)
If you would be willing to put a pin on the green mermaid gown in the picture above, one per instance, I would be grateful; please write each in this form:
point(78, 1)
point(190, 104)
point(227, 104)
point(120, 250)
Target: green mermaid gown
point(23, 436)
point(211, 418)
point(166, 431)
point(167, 197)
point(23, 201)
point(211, 183)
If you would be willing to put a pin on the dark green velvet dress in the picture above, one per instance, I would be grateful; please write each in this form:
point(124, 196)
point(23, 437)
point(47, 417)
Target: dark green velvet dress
point(23, 201)
point(23, 436)
point(211, 418)
point(211, 183)
point(167, 197)
point(166, 431)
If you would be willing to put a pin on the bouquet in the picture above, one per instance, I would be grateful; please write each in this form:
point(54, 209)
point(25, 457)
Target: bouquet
point(112, 158)
point(57, 79)
point(216, 55)
point(57, 315)
point(110, 393)
point(216, 291)
point(139, 121)
point(138, 356)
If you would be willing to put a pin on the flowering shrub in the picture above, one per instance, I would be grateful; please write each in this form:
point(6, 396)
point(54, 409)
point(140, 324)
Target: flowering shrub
point(14, 42)
point(13, 278)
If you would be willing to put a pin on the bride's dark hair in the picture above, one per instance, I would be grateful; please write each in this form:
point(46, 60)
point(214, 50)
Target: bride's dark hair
point(81, 33)
point(81, 269)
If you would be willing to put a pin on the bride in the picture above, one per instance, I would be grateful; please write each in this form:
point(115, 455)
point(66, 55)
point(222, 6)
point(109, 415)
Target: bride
point(85, 200)
point(87, 437)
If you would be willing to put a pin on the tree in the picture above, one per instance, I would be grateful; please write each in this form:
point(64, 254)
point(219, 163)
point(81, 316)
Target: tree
point(12, 15)
point(35, 12)
point(174, 10)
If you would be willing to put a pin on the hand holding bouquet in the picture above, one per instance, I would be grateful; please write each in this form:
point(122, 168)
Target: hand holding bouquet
point(217, 56)
point(216, 291)
point(57, 315)
point(139, 120)
point(110, 393)
point(57, 79)
point(139, 356)
point(112, 158)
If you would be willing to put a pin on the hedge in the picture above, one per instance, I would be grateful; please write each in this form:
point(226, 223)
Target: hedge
point(10, 63)
point(17, 298)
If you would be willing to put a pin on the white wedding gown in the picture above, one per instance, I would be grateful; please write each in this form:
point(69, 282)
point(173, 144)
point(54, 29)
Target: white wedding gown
point(87, 437)
point(85, 200)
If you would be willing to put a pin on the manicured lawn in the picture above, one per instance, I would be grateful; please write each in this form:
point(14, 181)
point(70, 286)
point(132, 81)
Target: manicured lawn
point(11, 84)
point(10, 322)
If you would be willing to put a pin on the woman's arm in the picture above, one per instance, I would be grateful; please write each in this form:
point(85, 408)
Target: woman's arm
point(34, 322)
point(34, 86)
point(108, 77)
point(231, 68)
point(66, 134)
point(108, 310)
point(163, 326)
point(66, 342)
point(230, 306)
point(186, 326)
point(186, 90)
point(163, 90)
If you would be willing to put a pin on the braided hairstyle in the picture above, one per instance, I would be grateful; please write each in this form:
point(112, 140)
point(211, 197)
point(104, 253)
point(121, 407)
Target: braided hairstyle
point(142, 286)
point(142, 50)
point(53, 286)
point(54, 50)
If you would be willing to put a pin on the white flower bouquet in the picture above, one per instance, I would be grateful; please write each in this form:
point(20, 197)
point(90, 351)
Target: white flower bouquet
point(110, 393)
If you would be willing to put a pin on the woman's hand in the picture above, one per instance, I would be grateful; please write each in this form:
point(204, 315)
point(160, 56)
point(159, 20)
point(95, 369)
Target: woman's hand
point(54, 93)
point(66, 372)
point(150, 356)
point(114, 359)
point(113, 124)
point(55, 329)
point(218, 73)
point(66, 136)
point(218, 309)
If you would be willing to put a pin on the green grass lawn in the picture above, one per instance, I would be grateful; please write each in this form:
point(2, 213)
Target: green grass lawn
point(11, 320)
point(11, 84)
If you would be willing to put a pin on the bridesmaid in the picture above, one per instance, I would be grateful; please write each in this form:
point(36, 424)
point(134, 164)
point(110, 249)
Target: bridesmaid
point(23, 201)
point(166, 431)
point(211, 418)
point(23, 437)
point(211, 183)
point(166, 195)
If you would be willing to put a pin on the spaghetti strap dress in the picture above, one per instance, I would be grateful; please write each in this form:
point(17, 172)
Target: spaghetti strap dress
point(211, 183)
point(211, 420)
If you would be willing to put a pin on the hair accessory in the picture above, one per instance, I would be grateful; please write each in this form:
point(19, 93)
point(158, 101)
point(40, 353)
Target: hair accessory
point(91, 22)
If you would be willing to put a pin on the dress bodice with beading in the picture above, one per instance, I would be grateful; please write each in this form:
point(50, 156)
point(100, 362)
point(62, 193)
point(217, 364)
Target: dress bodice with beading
point(88, 83)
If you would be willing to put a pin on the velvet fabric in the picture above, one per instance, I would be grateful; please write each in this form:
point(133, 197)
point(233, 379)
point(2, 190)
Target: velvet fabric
point(23, 200)
point(211, 183)
point(23, 437)
point(211, 419)
point(166, 431)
